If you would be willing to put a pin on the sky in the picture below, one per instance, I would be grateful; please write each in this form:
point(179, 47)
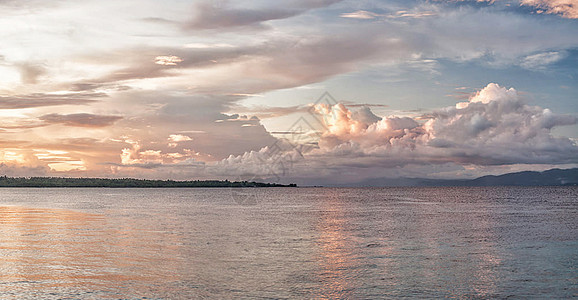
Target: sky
point(311, 92)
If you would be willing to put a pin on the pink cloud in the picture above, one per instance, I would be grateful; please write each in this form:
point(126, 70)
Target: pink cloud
point(565, 8)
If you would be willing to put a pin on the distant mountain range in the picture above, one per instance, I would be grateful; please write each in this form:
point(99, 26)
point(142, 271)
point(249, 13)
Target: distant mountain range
point(556, 177)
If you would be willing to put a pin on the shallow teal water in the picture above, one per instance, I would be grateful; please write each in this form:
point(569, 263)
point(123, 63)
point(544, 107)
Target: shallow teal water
point(289, 243)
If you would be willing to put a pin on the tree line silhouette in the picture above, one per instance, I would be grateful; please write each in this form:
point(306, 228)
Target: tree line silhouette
point(6, 181)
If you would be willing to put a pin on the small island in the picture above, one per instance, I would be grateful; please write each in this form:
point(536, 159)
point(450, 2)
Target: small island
point(40, 182)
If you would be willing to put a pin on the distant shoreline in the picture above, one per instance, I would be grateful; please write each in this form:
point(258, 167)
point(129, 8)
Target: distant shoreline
point(63, 182)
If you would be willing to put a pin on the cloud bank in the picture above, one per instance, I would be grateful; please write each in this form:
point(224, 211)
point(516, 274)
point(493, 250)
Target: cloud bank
point(495, 127)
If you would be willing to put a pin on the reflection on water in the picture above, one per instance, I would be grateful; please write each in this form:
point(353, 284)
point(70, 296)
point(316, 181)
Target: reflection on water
point(64, 250)
point(337, 261)
point(293, 243)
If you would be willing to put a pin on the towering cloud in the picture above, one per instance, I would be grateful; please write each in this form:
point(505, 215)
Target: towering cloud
point(495, 126)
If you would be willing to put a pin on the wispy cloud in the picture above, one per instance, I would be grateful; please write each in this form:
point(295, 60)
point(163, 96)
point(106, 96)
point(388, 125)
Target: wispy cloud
point(80, 119)
point(541, 60)
point(412, 14)
point(368, 15)
point(40, 100)
point(220, 15)
point(264, 112)
point(361, 14)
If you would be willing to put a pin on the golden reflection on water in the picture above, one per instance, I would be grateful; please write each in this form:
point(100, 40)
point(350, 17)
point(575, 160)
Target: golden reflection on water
point(60, 249)
point(335, 248)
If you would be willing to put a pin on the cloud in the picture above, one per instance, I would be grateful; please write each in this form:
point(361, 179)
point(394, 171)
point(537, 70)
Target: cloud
point(28, 5)
point(44, 99)
point(168, 60)
point(30, 72)
point(565, 8)
point(415, 15)
point(541, 60)
point(80, 120)
point(252, 66)
point(219, 15)
point(157, 20)
point(188, 125)
point(368, 15)
point(157, 62)
point(175, 139)
point(494, 128)
point(264, 112)
point(18, 170)
point(178, 84)
point(251, 69)
point(137, 157)
point(486, 35)
point(209, 16)
point(360, 14)
point(20, 123)
point(179, 138)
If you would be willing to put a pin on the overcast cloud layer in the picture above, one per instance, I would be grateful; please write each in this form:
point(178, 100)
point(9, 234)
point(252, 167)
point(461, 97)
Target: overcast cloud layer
point(227, 89)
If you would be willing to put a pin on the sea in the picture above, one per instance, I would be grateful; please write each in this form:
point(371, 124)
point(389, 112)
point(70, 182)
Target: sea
point(289, 243)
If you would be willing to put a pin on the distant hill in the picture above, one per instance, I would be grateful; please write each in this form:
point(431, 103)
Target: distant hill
point(554, 177)
point(550, 177)
point(126, 183)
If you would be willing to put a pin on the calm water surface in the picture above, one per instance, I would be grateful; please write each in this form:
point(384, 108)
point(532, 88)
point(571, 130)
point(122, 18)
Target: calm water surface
point(289, 243)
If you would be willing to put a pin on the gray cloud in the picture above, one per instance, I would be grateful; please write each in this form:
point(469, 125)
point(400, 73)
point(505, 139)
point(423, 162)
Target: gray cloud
point(158, 20)
point(219, 15)
point(30, 72)
point(80, 120)
point(15, 170)
point(41, 99)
